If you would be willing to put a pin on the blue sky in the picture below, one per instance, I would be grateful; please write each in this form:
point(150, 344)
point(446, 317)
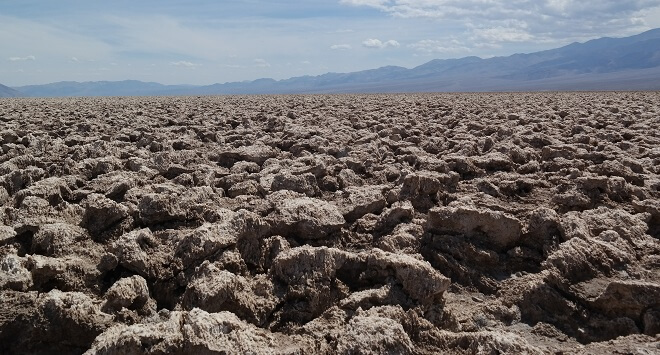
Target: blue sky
point(215, 41)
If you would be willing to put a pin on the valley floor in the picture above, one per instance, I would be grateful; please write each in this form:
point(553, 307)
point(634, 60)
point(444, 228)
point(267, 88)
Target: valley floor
point(363, 224)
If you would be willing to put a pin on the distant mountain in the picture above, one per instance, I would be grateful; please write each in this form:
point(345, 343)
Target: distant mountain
point(6, 91)
point(101, 88)
point(630, 63)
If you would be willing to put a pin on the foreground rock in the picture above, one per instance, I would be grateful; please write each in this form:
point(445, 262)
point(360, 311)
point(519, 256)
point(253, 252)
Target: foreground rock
point(511, 223)
point(196, 331)
point(491, 227)
point(306, 218)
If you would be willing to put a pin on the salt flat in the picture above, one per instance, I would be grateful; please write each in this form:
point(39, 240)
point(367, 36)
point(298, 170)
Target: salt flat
point(456, 223)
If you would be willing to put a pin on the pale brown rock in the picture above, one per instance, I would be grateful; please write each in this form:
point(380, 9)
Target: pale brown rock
point(321, 224)
point(158, 208)
point(499, 229)
point(216, 290)
point(130, 292)
point(6, 233)
point(306, 218)
point(139, 252)
point(629, 299)
point(14, 274)
point(360, 201)
point(101, 213)
point(303, 183)
point(199, 332)
point(374, 335)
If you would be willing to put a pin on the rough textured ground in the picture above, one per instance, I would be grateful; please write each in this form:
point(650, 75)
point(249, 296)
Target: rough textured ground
point(467, 223)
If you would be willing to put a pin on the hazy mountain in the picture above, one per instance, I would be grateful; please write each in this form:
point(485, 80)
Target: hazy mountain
point(630, 63)
point(101, 88)
point(6, 91)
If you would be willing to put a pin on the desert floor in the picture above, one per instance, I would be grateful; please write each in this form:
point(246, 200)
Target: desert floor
point(361, 224)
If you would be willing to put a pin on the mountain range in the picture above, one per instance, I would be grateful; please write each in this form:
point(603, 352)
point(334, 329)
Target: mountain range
point(629, 63)
point(6, 91)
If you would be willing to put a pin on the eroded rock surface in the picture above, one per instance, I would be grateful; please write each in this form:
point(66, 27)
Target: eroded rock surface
point(401, 224)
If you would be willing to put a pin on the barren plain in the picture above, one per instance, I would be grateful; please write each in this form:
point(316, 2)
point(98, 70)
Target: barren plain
point(354, 224)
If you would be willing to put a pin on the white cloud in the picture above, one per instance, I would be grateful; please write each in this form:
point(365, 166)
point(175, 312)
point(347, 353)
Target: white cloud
point(22, 59)
point(142, 37)
point(448, 9)
point(183, 63)
point(372, 3)
point(541, 20)
point(21, 35)
point(436, 46)
point(487, 45)
point(74, 59)
point(343, 30)
point(261, 63)
point(376, 43)
point(502, 34)
point(340, 46)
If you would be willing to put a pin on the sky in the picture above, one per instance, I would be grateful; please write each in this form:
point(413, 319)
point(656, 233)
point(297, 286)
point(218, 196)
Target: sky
point(202, 42)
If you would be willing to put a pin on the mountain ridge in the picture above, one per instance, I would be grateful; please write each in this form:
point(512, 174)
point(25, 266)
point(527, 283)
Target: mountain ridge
point(6, 91)
point(627, 63)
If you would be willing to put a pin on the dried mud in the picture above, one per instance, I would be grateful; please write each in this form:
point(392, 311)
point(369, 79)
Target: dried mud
point(457, 223)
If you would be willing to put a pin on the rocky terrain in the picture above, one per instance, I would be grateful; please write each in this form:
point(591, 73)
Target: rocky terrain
point(401, 224)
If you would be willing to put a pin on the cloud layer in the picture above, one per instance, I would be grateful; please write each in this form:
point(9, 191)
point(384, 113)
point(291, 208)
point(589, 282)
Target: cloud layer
point(376, 43)
point(183, 63)
point(440, 46)
point(261, 63)
point(340, 46)
point(523, 20)
point(22, 59)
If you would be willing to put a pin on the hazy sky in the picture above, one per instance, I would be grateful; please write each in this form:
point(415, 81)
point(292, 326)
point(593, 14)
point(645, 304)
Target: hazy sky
point(215, 41)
